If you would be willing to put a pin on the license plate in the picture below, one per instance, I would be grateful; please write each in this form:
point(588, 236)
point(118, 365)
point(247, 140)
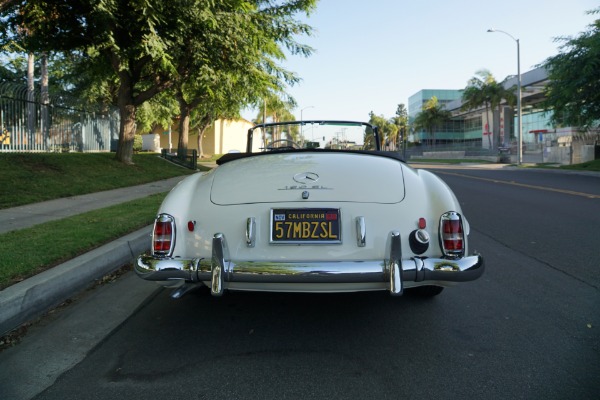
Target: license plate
point(305, 225)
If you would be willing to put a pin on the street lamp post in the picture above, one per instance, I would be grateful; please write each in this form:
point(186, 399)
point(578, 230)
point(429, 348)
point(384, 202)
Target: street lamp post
point(519, 115)
point(301, 126)
point(302, 110)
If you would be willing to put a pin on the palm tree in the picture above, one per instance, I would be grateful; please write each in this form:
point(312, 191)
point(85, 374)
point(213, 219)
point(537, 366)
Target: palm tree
point(401, 121)
point(500, 94)
point(479, 92)
point(279, 110)
point(483, 89)
point(432, 116)
point(388, 131)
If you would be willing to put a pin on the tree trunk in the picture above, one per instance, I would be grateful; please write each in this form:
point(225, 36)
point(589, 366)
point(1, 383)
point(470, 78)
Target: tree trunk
point(201, 131)
point(199, 143)
point(500, 140)
point(30, 102)
point(489, 132)
point(126, 134)
point(127, 110)
point(184, 129)
point(45, 101)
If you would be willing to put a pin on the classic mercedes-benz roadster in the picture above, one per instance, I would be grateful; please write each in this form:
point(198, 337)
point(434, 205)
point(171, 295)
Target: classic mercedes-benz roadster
point(311, 206)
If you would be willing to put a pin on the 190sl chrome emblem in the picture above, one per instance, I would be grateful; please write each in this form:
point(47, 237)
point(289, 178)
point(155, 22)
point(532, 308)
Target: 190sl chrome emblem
point(306, 177)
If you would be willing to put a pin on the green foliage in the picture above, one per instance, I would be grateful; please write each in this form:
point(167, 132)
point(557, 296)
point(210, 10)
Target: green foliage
point(13, 68)
point(158, 111)
point(484, 90)
point(431, 117)
point(401, 117)
point(221, 53)
point(593, 165)
point(137, 143)
point(55, 175)
point(243, 48)
point(274, 107)
point(401, 121)
point(573, 90)
point(54, 242)
point(388, 131)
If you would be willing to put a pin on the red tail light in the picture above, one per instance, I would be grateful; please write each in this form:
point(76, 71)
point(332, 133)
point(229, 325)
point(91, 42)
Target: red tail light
point(163, 237)
point(452, 234)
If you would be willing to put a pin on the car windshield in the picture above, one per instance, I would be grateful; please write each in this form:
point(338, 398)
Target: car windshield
point(328, 135)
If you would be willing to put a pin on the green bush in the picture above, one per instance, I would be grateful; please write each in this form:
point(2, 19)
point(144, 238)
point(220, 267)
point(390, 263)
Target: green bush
point(137, 143)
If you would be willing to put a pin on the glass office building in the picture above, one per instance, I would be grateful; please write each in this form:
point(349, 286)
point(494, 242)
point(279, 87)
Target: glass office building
point(452, 129)
point(491, 128)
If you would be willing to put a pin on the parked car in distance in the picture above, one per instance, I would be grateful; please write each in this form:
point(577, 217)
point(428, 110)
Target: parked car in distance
point(311, 206)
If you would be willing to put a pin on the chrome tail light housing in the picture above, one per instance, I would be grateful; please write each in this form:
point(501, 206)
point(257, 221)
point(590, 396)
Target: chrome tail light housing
point(163, 235)
point(452, 236)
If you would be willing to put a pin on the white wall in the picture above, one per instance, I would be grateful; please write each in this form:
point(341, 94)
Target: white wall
point(151, 142)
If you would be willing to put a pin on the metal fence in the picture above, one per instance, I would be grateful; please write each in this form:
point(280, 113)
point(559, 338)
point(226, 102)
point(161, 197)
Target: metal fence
point(190, 160)
point(448, 149)
point(59, 124)
point(570, 148)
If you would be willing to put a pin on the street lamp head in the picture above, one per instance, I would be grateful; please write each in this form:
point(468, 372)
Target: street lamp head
point(506, 33)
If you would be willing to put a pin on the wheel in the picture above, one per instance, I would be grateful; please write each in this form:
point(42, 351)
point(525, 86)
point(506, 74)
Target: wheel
point(282, 144)
point(425, 291)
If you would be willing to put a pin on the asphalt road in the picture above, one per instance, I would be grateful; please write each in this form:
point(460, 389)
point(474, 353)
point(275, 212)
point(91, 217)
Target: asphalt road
point(528, 329)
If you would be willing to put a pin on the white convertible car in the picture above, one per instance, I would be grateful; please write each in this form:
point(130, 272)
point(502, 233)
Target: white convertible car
point(311, 206)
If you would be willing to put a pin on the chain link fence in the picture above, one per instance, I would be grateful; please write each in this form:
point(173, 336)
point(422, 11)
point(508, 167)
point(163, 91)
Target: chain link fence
point(59, 124)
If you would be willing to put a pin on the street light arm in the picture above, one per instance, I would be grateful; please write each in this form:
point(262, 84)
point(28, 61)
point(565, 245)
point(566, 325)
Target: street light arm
point(307, 107)
point(302, 110)
point(492, 30)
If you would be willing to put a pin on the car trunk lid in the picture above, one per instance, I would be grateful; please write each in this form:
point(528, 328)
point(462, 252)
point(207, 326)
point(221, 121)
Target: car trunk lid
point(309, 177)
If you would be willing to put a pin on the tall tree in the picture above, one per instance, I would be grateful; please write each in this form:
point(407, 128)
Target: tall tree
point(500, 95)
point(131, 36)
point(479, 92)
point(388, 131)
point(573, 90)
point(401, 121)
point(236, 56)
point(484, 90)
point(140, 41)
point(277, 108)
point(431, 117)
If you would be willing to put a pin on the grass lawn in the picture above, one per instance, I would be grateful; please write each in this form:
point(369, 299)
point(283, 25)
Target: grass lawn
point(586, 166)
point(448, 161)
point(51, 243)
point(30, 178)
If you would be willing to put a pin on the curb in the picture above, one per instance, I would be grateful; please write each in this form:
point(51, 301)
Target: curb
point(32, 297)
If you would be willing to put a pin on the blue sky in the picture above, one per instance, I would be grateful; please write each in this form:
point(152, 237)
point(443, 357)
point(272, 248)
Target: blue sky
point(373, 55)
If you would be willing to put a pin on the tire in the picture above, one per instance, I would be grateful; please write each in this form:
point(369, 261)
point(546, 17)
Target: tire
point(425, 291)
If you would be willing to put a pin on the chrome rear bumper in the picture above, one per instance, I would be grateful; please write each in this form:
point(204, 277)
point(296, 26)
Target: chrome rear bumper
point(394, 270)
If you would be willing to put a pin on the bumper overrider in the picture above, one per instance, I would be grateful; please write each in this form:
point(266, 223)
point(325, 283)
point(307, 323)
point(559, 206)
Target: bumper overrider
point(394, 270)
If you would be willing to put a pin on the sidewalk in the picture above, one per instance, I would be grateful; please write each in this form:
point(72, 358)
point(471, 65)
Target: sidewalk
point(33, 214)
point(30, 298)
